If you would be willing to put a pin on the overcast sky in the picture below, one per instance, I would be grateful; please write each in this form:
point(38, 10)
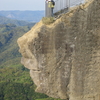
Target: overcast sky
point(22, 4)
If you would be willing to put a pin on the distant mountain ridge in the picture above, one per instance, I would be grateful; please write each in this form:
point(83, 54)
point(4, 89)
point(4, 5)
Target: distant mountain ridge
point(5, 20)
point(30, 16)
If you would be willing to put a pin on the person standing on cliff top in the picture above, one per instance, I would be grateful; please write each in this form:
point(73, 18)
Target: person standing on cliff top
point(51, 5)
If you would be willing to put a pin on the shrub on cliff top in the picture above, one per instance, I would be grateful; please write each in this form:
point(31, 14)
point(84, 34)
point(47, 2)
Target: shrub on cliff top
point(48, 20)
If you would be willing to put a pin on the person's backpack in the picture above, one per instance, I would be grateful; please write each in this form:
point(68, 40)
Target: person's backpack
point(53, 3)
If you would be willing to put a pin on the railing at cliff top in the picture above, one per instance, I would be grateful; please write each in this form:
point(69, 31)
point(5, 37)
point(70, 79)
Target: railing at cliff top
point(62, 4)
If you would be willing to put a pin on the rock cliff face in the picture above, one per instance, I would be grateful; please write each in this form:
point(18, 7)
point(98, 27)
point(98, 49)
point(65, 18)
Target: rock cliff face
point(64, 57)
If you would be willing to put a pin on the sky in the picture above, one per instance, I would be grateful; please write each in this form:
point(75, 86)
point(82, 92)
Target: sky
point(22, 5)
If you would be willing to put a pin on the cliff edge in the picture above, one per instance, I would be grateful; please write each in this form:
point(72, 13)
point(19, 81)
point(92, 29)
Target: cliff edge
point(64, 57)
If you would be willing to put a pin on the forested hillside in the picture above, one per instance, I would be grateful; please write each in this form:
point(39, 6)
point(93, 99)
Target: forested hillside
point(9, 34)
point(15, 84)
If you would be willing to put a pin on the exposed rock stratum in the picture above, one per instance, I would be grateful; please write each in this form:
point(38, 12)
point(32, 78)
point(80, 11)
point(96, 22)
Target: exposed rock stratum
point(64, 57)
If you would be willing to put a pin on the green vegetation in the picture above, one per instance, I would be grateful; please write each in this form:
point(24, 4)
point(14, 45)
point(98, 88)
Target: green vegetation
point(48, 20)
point(15, 84)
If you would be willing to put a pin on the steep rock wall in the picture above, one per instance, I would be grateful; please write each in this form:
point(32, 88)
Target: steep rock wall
point(64, 57)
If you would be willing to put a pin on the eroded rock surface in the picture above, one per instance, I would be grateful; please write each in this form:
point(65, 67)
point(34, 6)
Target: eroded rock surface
point(64, 57)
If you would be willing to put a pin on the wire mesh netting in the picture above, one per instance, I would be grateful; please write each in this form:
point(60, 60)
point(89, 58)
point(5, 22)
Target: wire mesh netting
point(62, 4)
